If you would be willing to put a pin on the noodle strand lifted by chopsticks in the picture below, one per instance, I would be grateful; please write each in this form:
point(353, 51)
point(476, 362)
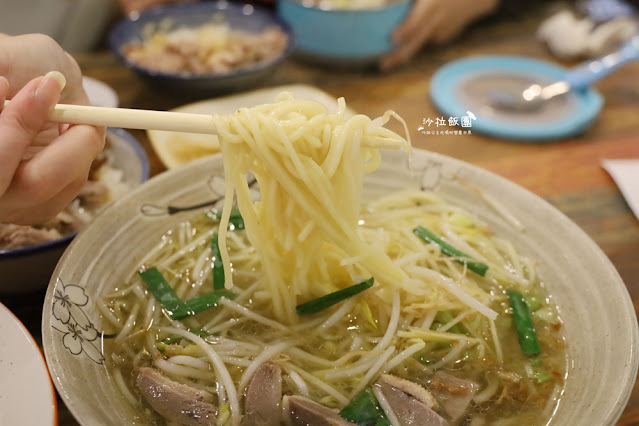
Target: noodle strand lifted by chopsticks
point(316, 177)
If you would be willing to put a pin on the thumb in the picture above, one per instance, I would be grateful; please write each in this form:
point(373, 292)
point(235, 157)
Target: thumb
point(23, 118)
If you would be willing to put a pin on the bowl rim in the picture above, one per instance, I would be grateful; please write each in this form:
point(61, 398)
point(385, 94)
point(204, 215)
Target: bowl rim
point(65, 239)
point(163, 11)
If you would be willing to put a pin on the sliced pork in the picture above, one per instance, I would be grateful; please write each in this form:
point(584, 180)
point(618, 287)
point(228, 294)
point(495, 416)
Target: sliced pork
point(453, 394)
point(263, 397)
point(304, 412)
point(176, 402)
point(411, 388)
point(410, 404)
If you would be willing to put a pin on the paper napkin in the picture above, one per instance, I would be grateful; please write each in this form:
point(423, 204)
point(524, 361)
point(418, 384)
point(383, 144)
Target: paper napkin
point(626, 175)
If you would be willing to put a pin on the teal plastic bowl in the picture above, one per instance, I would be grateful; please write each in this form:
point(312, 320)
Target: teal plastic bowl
point(343, 36)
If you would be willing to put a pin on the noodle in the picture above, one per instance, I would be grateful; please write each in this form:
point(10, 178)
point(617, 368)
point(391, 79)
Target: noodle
point(309, 235)
point(322, 188)
point(299, 382)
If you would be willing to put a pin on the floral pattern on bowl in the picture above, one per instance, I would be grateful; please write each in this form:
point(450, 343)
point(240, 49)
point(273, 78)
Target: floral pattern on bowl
point(68, 317)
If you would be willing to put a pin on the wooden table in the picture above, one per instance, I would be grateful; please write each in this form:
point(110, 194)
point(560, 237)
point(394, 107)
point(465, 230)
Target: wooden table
point(567, 174)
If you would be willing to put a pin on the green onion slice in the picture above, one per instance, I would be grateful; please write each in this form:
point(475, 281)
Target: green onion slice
point(542, 377)
point(175, 338)
point(444, 317)
point(321, 303)
point(177, 308)
point(448, 250)
point(364, 410)
point(204, 302)
point(200, 331)
point(523, 323)
point(163, 292)
point(218, 266)
point(235, 219)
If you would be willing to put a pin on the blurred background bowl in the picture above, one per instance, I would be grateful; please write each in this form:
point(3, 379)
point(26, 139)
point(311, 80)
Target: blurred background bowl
point(29, 269)
point(329, 33)
point(240, 17)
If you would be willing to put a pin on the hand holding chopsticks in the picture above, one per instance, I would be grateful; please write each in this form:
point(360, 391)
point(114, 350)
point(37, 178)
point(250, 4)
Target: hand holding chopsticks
point(156, 120)
point(41, 169)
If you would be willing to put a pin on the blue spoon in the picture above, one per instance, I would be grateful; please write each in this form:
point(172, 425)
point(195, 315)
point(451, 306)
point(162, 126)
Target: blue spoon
point(534, 96)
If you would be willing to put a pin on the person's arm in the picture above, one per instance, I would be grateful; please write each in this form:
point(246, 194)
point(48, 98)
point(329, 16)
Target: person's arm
point(433, 22)
point(42, 165)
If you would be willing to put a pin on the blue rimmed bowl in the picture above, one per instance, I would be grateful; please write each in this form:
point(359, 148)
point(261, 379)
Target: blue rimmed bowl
point(240, 17)
point(29, 269)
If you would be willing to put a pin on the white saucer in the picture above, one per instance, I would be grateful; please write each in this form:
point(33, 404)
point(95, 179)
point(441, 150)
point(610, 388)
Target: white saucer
point(100, 94)
point(27, 396)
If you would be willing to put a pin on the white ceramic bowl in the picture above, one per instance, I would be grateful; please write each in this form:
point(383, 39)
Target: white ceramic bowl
point(600, 322)
point(29, 269)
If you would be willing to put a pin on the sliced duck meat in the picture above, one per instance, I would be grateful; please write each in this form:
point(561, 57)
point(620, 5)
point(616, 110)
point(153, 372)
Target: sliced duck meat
point(176, 402)
point(304, 412)
point(262, 405)
point(409, 409)
point(413, 389)
point(453, 394)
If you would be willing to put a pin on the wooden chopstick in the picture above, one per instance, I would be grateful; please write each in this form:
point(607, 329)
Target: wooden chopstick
point(158, 120)
point(132, 118)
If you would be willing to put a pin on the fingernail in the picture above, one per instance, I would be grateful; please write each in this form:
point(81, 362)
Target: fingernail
point(52, 75)
point(4, 82)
